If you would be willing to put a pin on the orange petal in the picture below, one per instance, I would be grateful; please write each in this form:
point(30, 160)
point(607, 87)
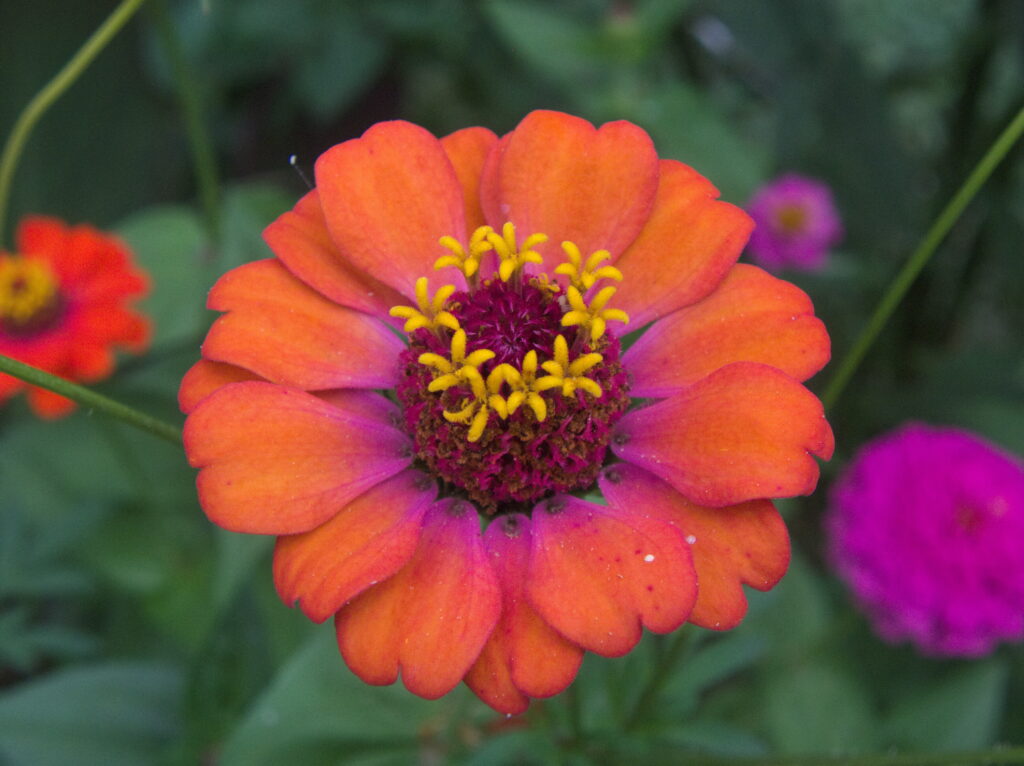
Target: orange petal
point(49, 405)
point(205, 377)
point(300, 239)
point(751, 317)
point(744, 432)
point(524, 654)
point(560, 176)
point(388, 198)
point(468, 149)
point(108, 322)
point(745, 543)
point(597, 573)
point(367, 404)
point(279, 461)
point(284, 331)
point(684, 251)
point(9, 385)
point(39, 234)
point(369, 540)
point(490, 678)
point(432, 618)
point(90, 362)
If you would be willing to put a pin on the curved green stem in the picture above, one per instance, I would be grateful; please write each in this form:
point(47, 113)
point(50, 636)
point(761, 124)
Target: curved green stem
point(204, 161)
point(53, 90)
point(920, 257)
point(662, 672)
point(996, 757)
point(90, 399)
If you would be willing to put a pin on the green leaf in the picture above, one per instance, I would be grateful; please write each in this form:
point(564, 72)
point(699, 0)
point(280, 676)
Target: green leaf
point(711, 736)
point(559, 47)
point(109, 714)
point(717, 658)
point(794, 615)
point(959, 710)
point(170, 245)
point(24, 645)
point(815, 707)
point(686, 126)
point(317, 711)
point(237, 556)
point(248, 210)
point(32, 555)
point(345, 60)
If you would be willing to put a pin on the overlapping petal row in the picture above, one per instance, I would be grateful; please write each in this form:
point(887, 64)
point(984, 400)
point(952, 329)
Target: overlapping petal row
point(296, 431)
point(65, 305)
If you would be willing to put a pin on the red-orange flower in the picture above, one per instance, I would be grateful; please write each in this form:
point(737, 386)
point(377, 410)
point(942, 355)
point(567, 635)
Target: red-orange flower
point(64, 306)
point(618, 490)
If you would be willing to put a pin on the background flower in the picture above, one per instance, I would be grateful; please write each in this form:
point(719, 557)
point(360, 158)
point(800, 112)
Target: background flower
point(796, 223)
point(926, 528)
point(65, 297)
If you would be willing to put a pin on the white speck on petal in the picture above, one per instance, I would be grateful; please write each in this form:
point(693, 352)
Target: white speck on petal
point(691, 539)
point(649, 558)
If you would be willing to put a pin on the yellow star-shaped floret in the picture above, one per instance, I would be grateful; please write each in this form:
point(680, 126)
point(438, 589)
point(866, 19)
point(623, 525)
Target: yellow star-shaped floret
point(514, 257)
point(561, 373)
point(524, 387)
point(594, 317)
point(431, 313)
point(466, 259)
point(582, 275)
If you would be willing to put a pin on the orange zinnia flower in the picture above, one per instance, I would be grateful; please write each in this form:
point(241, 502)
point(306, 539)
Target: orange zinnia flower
point(64, 296)
point(508, 405)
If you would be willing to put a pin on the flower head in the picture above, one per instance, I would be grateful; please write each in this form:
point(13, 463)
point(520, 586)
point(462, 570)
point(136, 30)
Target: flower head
point(64, 306)
point(797, 224)
point(925, 528)
point(509, 403)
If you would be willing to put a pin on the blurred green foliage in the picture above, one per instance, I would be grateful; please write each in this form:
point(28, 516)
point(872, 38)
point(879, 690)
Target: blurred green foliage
point(133, 632)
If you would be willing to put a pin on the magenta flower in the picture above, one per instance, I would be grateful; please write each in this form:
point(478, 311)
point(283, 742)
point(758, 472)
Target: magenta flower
point(797, 224)
point(926, 527)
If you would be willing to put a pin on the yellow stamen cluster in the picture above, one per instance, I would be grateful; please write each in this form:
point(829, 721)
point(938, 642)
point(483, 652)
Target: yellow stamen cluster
point(431, 313)
point(466, 369)
point(525, 387)
point(594, 316)
point(27, 287)
point(561, 373)
point(582, 275)
point(460, 369)
point(466, 260)
point(514, 256)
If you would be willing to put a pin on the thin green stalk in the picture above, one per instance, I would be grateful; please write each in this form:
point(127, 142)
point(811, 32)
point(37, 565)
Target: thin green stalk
point(920, 257)
point(661, 673)
point(53, 90)
point(90, 399)
point(995, 757)
point(204, 161)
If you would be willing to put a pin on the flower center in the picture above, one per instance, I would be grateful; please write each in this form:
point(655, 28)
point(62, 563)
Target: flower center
point(510, 388)
point(790, 219)
point(29, 300)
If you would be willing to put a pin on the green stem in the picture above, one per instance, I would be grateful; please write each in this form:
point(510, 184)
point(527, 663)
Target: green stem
point(920, 257)
point(660, 675)
point(90, 399)
point(53, 90)
point(995, 757)
point(204, 160)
